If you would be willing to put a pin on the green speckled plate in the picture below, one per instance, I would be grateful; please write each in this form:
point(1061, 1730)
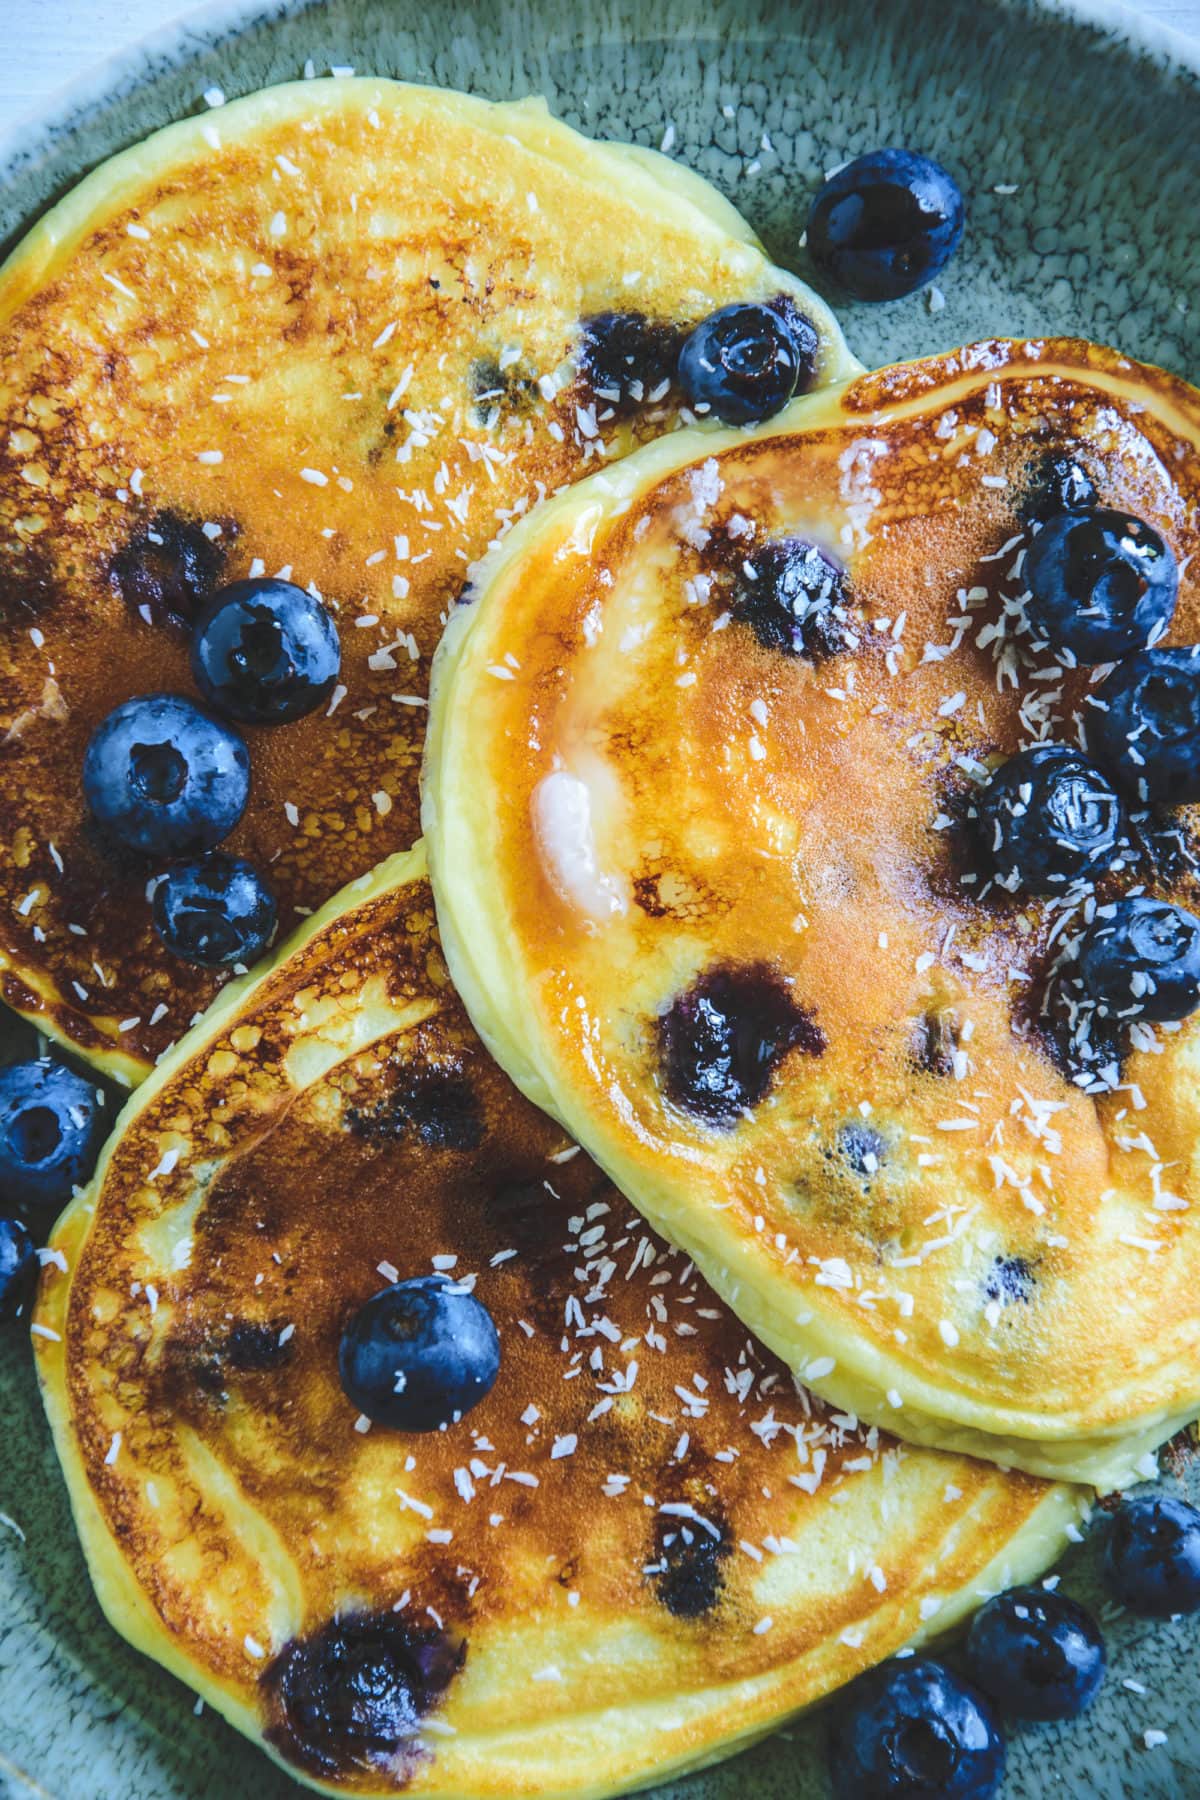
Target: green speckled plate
point(1075, 131)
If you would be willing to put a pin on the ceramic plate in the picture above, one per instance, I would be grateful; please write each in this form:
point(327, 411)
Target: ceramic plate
point(1075, 132)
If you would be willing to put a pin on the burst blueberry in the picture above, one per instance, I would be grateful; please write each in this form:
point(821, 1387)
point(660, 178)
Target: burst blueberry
point(626, 358)
point(419, 1354)
point(886, 223)
point(265, 651)
point(1048, 818)
point(1143, 956)
point(741, 364)
point(1152, 1556)
point(18, 1269)
point(721, 1040)
point(1057, 482)
point(793, 597)
point(912, 1730)
point(1145, 726)
point(1101, 584)
point(214, 910)
point(51, 1128)
point(1036, 1654)
point(163, 776)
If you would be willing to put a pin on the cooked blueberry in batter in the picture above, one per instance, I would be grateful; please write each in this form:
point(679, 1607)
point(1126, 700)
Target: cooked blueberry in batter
point(886, 223)
point(167, 570)
point(1049, 818)
point(419, 1354)
point(1036, 1653)
point(862, 1147)
point(741, 364)
point(1142, 957)
point(792, 595)
point(18, 1269)
point(912, 1730)
point(265, 652)
point(1009, 1278)
point(439, 1104)
point(1144, 725)
point(1101, 584)
point(357, 1690)
point(253, 1347)
point(721, 1040)
point(627, 359)
point(215, 910)
point(163, 776)
point(1057, 483)
point(51, 1127)
point(690, 1576)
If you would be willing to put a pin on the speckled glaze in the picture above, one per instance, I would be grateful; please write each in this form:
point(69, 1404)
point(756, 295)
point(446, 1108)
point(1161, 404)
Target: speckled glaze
point(1095, 121)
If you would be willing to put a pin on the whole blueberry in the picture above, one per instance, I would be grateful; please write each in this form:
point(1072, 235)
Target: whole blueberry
point(1048, 818)
point(1143, 956)
point(419, 1354)
point(741, 363)
point(51, 1129)
point(793, 597)
point(1036, 1654)
point(1101, 584)
point(1152, 1556)
point(265, 651)
point(165, 777)
point(1145, 728)
point(911, 1730)
point(886, 223)
point(18, 1269)
point(214, 910)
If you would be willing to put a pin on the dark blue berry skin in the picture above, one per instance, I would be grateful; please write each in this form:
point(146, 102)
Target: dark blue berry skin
point(163, 776)
point(1101, 584)
point(793, 597)
point(265, 652)
point(214, 910)
point(1057, 483)
point(1152, 1556)
point(51, 1129)
point(1143, 956)
point(419, 1355)
point(1036, 1654)
point(721, 1040)
point(1145, 726)
point(1048, 818)
point(886, 224)
point(741, 364)
point(911, 1730)
point(18, 1269)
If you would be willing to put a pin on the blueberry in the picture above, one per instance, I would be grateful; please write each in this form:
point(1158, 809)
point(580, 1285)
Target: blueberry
point(1146, 726)
point(721, 1040)
point(1009, 1278)
point(1036, 1654)
point(690, 1576)
point(1152, 1556)
point(911, 1730)
point(1049, 818)
point(1143, 956)
point(166, 570)
point(864, 1148)
point(51, 1129)
point(793, 597)
point(886, 223)
point(18, 1269)
point(163, 776)
point(214, 910)
point(741, 363)
point(419, 1354)
point(1101, 584)
point(626, 357)
point(265, 652)
point(1057, 483)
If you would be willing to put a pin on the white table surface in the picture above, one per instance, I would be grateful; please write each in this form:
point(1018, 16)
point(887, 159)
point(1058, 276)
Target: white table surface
point(48, 42)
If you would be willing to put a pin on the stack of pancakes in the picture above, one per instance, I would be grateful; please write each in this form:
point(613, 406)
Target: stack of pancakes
point(364, 334)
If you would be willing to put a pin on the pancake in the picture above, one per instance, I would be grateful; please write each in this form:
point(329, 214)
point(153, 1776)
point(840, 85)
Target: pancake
point(660, 816)
point(643, 1548)
point(344, 329)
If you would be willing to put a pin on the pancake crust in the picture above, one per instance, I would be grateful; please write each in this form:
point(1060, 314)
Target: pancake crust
point(643, 1548)
point(924, 1213)
point(332, 329)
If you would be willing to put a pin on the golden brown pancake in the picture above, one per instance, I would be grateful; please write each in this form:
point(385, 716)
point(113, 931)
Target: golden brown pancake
point(924, 1209)
point(646, 1546)
point(338, 329)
